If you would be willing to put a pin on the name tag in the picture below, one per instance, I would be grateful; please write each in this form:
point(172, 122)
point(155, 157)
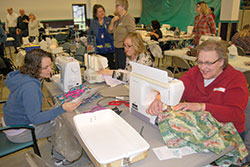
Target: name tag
point(220, 89)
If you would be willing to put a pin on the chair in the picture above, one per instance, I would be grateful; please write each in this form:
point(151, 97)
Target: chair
point(180, 66)
point(66, 47)
point(7, 147)
point(60, 38)
point(170, 73)
point(241, 51)
point(247, 75)
point(79, 55)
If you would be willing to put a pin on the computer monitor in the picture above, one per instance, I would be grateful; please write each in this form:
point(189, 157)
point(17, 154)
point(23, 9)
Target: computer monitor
point(79, 16)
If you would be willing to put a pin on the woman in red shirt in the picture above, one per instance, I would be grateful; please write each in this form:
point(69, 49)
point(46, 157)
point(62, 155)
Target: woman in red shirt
point(213, 85)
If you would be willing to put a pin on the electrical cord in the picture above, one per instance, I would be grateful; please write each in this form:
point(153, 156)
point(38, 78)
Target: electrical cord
point(111, 97)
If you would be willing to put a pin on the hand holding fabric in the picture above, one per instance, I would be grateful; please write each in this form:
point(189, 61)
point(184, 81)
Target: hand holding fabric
point(155, 107)
point(189, 106)
point(70, 106)
point(105, 72)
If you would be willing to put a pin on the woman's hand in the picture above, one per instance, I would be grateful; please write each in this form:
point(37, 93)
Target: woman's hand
point(115, 18)
point(105, 72)
point(70, 106)
point(190, 106)
point(155, 107)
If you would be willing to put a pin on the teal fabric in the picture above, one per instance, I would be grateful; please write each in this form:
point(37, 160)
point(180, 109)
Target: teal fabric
point(7, 147)
point(177, 13)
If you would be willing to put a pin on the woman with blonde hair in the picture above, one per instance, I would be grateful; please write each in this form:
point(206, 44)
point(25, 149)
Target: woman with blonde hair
point(242, 38)
point(203, 23)
point(33, 27)
point(121, 24)
point(136, 52)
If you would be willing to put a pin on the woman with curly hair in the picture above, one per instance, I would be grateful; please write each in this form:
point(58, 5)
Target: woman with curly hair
point(242, 38)
point(25, 99)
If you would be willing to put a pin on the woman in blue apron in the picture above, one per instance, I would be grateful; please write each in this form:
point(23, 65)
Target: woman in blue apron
point(99, 28)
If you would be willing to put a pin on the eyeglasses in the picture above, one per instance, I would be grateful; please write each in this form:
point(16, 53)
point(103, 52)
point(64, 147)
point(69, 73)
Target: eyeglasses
point(207, 63)
point(127, 46)
point(47, 67)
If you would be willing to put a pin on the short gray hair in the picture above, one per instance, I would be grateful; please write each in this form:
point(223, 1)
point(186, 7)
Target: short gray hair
point(123, 3)
point(219, 47)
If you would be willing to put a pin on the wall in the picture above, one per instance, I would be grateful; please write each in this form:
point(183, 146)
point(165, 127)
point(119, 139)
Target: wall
point(243, 20)
point(62, 9)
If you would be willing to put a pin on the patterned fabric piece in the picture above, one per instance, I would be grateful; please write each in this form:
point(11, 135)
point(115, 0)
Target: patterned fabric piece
point(76, 92)
point(201, 132)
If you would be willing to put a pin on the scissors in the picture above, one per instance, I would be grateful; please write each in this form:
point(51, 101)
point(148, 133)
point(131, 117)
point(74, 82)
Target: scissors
point(118, 103)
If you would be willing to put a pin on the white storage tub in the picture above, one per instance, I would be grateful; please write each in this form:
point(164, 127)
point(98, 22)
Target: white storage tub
point(109, 139)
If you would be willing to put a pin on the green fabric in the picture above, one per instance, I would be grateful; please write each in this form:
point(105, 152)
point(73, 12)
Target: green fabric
point(177, 13)
point(201, 132)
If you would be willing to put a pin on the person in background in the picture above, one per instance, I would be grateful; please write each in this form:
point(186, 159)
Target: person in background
point(3, 38)
point(99, 27)
point(242, 38)
point(22, 25)
point(10, 26)
point(136, 52)
point(213, 85)
point(121, 24)
point(156, 32)
point(25, 100)
point(211, 11)
point(33, 27)
point(203, 23)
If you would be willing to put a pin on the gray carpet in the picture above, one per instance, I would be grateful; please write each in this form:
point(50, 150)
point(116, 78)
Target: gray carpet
point(18, 159)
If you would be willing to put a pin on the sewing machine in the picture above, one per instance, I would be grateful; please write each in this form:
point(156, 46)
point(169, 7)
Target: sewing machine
point(70, 74)
point(207, 37)
point(93, 64)
point(145, 83)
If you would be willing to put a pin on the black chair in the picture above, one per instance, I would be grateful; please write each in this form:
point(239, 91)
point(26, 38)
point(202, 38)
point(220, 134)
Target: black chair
point(61, 38)
point(241, 51)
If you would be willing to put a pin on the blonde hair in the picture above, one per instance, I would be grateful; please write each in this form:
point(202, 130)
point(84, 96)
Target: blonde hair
point(220, 47)
point(32, 14)
point(245, 31)
point(204, 8)
point(137, 42)
point(123, 3)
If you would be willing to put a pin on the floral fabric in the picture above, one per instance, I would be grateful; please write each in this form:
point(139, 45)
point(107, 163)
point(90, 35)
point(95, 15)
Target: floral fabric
point(76, 92)
point(201, 132)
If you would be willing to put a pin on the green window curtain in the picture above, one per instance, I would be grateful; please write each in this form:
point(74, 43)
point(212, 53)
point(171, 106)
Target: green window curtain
point(177, 13)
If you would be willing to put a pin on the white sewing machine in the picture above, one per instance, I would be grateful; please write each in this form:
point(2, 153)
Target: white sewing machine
point(207, 37)
point(70, 74)
point(145, 83)
point(94, 63)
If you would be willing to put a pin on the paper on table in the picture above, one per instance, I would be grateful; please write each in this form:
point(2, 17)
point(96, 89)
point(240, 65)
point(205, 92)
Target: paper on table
point(164, 152)
point(186, 151)
point(111, 81)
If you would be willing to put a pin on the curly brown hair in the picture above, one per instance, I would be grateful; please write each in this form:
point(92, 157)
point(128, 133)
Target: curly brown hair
point(33, 62)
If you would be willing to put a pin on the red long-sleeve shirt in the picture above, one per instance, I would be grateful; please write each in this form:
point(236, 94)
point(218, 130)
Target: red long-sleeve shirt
point(226, 97)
